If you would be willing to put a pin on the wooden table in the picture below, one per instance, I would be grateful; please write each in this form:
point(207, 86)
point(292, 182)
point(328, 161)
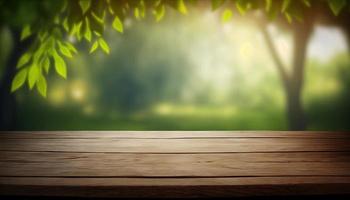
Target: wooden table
point(174, 164)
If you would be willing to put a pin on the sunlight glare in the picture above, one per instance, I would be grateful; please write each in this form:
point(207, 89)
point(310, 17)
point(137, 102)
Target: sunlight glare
point(78, 90)
point(89, 109)
point(57, 95)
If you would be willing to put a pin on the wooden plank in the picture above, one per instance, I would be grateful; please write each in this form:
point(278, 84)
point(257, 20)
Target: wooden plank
point(176, 145)
point(169, 134)
point(173, 165)
point(70, 181)
point(181, 187)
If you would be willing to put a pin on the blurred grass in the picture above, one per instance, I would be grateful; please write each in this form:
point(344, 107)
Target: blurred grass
point(210, 119)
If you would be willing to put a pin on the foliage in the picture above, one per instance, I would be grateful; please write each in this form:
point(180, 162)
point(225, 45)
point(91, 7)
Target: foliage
point(55, 24)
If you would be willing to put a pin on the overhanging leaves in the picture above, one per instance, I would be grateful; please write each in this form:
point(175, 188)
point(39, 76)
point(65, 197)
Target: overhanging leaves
point(86, 19)
point(24, 59)
point(181, 7)
point(85, 5)
point(226, 15)
point(103, 45)
point(41, 85)
point(215, 4)
point(64, 50)
point(336, 6)
point(26, 32)
point(33, 75)
point(94, 47)
point(118, 25)
point(19, 79)
point(60, 65)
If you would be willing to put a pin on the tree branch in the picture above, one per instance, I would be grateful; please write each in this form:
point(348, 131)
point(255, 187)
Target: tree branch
point(276, 58)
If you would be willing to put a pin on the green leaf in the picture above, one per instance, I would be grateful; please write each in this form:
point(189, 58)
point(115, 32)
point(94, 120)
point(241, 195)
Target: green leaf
point(56, 19)
point(137, 13)
point(64, 6)
point(307, 3)
point(73, 30)
point(60, 65)
point(64, 50)
point(288, 17)
point(104, 45)
point(19, 79)
point(285, 5)
point(94, 47)
point(25, 58)
point(336, 6)
point(118, 25)
point(46, 65)
point(85, 5)
point(78, 30)
point(42, 35)
point(160, 12)
point(100, 20)
point(71, 47)
point(87, 33)
point(142, 9)
point(157, 3)
point(41, 85)
point(33, 75)
point(241, 7)
point(215, 4)
point(268, 5)
point(181, 7)
point(97, 33)
point(226, 15)
point(65, 24)
point(110, 9)
point(297, 14)
point(26, 32)
point(37, 56)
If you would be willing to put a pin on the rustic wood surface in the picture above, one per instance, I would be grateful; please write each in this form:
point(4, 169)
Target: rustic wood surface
point(174, 163)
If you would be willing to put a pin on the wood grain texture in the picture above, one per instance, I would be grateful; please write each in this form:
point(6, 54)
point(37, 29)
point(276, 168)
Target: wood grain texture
point(207, 145)
point(169, 134)
point(163, 188)
point(174, 163)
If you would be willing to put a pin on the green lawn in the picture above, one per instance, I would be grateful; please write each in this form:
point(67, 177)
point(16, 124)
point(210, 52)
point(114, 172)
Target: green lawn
point(186, 118)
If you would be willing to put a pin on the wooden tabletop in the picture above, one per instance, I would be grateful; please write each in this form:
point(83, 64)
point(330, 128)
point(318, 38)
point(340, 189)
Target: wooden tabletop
point(173, 163)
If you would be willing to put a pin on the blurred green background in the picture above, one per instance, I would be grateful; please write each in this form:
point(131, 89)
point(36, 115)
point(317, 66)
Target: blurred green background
point(189, 73)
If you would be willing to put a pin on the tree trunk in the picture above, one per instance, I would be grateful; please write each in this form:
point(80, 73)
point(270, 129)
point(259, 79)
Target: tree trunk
point(7, 99)
point(292, 82)
point(347, 35)
point(295, 111)
point(344, 24)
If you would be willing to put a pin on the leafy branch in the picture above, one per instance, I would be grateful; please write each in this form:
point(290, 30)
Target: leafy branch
point(86, 20)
